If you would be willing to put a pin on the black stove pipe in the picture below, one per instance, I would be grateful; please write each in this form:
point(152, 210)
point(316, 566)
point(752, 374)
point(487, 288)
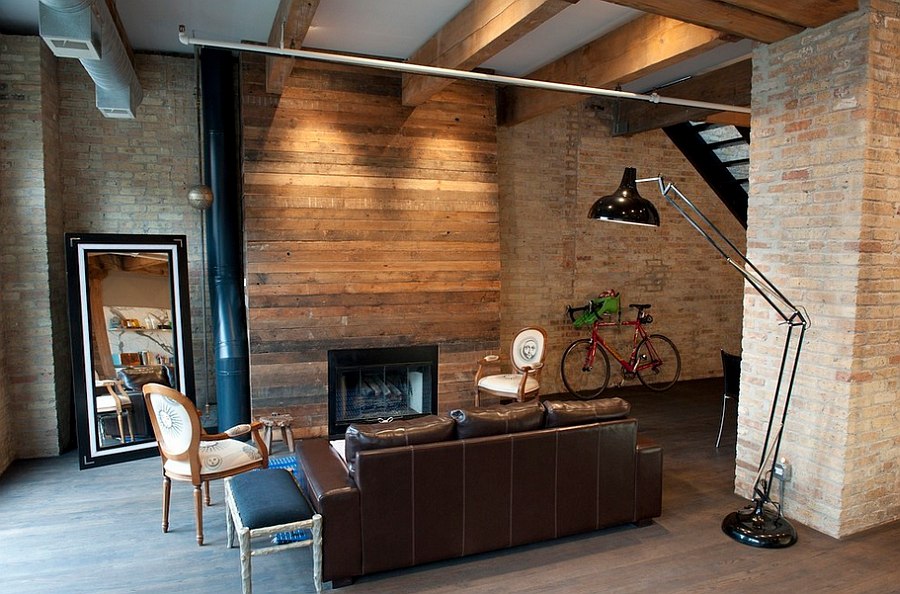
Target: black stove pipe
point(223, 239)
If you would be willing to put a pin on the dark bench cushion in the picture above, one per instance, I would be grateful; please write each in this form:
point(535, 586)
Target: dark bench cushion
point(372, 436)
point(497, 419)
point(563, 413)
point(268, 497)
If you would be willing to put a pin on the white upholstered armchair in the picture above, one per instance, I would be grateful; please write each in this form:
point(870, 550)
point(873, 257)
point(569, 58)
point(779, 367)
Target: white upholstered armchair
point(190, 454)
point(522, 379)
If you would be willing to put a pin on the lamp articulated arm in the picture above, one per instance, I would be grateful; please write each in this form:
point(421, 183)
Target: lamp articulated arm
point(788, 312)
point(791, 315)
point(760, 524)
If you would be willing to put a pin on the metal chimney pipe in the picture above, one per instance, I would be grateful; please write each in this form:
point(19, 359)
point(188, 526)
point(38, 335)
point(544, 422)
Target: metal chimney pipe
point(223, 239)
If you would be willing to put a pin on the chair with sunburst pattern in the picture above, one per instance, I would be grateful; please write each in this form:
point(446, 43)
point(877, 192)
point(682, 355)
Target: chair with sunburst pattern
point(190, 454)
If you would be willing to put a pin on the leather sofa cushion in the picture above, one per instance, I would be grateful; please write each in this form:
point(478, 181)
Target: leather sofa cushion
point(371, 436)
point(497, 419)
point(563, 413)
point(134, 378)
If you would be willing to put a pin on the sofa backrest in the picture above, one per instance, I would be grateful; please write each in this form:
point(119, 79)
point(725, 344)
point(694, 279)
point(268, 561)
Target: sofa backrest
point(470, 423)
point(497, 419)
point(563, 413)
point(371, 436)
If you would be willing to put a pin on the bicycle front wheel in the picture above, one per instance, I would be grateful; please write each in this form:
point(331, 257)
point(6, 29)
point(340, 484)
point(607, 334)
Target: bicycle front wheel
point(583, 376)
point(658, 362)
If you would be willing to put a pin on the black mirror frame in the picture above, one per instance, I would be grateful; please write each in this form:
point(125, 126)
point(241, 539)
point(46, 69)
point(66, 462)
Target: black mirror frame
point(77, 246)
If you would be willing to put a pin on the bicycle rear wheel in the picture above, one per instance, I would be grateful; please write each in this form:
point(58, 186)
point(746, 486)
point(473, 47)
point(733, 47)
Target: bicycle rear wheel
point(658, 362)
point(582, 377)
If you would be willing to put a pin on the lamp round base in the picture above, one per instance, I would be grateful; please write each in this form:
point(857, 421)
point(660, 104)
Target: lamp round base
point(759, 527)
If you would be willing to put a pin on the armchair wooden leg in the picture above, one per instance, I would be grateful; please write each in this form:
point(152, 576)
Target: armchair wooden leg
point(121, 427)
point(206, 498)
point(167, 492)
point(130, 427)
point(198, 513)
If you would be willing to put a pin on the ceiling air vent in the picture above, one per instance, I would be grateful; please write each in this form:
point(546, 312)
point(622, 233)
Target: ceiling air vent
point(119, 101)
point(76, 29)
point(70, 35)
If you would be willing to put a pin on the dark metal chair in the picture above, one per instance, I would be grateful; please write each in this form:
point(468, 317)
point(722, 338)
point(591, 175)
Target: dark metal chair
point(731, 370)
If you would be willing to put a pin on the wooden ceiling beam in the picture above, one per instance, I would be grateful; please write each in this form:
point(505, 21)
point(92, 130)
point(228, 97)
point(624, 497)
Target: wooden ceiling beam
point(720, 16)
point(295, 16)
point(479, 31)
point(730, 85)
point(731, 118)
point(638, 48)
point(807, 13)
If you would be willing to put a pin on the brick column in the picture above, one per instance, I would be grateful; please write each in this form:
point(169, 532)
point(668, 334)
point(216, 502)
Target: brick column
point(35, 401)
point(824, 225)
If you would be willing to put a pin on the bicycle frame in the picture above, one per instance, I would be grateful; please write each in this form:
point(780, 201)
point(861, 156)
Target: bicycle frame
point(629, 365)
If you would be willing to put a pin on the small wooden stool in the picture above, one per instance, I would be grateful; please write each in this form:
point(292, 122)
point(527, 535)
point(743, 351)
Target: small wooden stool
point(280, 421)
point(262, 503)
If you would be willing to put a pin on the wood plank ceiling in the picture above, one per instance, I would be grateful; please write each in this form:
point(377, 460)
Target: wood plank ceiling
point(670, 32)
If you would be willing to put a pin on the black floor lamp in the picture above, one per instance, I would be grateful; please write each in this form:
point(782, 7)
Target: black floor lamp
point(760, 523)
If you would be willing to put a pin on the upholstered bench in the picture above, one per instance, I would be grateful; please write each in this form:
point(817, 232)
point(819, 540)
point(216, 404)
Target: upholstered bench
point(263, 503)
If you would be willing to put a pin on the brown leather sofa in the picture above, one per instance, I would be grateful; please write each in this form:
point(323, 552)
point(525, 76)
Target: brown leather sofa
point(440, 487)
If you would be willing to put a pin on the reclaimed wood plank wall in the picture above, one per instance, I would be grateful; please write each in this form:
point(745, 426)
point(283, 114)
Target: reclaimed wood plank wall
point(366, 224)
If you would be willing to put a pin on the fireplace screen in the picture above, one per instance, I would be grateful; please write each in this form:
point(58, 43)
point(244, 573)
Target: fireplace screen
point(370, 385)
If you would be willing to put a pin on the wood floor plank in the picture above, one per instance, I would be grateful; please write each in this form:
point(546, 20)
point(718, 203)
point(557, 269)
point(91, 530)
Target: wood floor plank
point(98, 531)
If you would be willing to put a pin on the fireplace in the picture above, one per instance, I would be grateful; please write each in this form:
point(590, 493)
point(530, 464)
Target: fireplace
point(370, 385)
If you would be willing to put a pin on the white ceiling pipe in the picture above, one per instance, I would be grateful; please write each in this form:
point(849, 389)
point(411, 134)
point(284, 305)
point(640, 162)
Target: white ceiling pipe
point(452, 73)
point(118, 91)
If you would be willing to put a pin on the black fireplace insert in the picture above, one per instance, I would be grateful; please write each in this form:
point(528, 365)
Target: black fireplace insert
point(380, 384)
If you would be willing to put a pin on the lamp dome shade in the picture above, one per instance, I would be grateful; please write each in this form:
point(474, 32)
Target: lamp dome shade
point(626, 205)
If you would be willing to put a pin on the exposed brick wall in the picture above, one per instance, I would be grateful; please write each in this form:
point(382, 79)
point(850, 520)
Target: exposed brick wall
point(59, 321)
point(66, 168)
point(132, 176)
point(552, 169)
point(872, 488)
point(823, 221)
point(35, 405)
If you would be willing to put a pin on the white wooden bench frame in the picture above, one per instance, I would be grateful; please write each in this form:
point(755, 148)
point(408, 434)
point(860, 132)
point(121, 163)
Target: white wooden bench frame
point(234, 525)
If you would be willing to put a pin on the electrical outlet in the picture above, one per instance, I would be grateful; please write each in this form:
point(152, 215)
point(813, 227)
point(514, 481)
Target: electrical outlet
point(783, 470)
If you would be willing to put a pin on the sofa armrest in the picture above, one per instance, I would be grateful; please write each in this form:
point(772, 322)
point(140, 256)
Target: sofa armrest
point(648, 481)
point(326, 482)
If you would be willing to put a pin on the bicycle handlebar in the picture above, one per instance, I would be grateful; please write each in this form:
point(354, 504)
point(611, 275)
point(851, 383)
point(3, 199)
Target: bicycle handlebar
point(571, 311)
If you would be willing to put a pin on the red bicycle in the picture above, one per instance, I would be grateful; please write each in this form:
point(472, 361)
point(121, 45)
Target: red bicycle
point(654, 359)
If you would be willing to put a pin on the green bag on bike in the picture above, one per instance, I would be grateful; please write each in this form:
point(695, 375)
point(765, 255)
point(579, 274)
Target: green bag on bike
point(606, 305)
point(603, 305)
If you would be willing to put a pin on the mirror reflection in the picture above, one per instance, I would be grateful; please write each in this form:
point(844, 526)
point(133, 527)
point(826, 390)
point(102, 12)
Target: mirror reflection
point(128, 310)
point(133, 342)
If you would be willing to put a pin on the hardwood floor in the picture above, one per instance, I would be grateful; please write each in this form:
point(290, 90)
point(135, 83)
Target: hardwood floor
point(97, 531)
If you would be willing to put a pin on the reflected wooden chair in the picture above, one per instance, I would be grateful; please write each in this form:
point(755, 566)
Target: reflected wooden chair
point(525, 361)
point(190, 454)
point(115, 403)
point(731, 371)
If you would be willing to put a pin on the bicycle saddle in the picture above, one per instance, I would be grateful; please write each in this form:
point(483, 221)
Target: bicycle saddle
point(639, 305)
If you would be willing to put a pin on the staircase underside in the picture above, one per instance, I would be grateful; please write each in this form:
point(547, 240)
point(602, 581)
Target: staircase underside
point(721, 154)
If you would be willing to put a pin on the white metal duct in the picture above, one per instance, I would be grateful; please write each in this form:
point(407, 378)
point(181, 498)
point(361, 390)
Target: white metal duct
point(70, 29)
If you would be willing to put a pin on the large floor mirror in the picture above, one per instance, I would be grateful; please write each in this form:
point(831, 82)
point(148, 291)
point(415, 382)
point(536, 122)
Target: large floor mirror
point(130, 325)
